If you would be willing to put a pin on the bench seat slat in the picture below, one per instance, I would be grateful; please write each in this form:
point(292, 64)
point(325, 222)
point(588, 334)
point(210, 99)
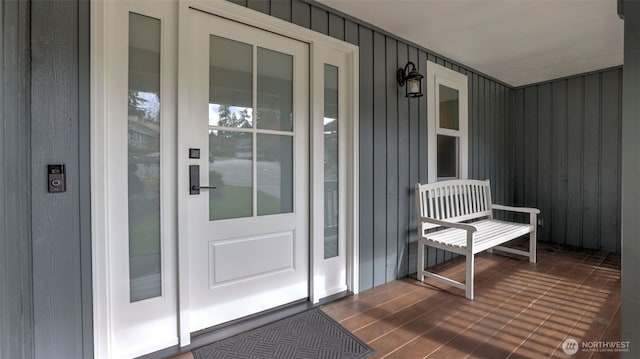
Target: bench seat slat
point(490, 233)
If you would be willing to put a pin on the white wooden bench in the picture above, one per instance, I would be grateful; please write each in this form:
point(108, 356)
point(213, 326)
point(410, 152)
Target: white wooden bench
point(451, 207)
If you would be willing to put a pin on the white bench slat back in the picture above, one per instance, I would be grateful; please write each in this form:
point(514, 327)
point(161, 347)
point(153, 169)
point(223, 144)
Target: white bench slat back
point(454, 200)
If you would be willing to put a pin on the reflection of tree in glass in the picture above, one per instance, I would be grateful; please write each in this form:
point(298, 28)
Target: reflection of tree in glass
point(144, 105)
point(228, 143)
point(136, 104)
point(230, 119)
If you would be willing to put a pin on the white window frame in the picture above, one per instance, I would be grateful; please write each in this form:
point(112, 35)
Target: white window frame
point(439, 75)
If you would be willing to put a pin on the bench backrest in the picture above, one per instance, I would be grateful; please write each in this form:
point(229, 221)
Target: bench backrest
point(453, 200)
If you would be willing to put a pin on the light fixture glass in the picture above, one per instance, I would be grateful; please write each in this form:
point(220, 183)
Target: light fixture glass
point(412, 80)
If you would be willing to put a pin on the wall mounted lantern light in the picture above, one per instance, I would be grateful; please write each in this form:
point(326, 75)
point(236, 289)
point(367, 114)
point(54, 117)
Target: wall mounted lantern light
point(413, 80)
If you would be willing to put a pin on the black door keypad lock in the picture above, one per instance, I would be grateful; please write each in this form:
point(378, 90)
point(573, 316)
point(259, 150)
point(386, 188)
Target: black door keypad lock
point(56, 178)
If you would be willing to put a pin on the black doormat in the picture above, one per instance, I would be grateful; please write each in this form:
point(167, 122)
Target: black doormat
point(310, 334)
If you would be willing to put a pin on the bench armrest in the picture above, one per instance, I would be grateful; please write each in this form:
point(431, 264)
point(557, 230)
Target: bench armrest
point(515, 209)
point(464, 226)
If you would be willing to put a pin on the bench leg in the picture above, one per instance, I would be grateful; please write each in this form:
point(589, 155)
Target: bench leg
point(469, 277)
point(533, 221)
point(420, 275)
point(532, 247)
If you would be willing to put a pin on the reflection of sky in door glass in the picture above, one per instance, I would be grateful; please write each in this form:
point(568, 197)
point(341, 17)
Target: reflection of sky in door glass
point(230, 116)
point(149, 103)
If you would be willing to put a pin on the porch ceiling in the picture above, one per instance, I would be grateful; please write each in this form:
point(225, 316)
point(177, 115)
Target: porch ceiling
point(516, 41)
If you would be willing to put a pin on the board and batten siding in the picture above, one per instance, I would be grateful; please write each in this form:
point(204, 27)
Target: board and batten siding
point(61, 222)
point(16, 283)
point(45, 253)
point(566, 148)
point(393, 136)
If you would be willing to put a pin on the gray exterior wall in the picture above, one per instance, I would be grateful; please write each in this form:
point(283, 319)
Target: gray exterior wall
point(630, 179)
point(60, 224)
point(393, 136)
point(45, 253)
point(567, 150)
point(16, 298)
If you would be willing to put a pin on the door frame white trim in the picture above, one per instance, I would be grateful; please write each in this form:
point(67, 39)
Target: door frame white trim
point(99, 194)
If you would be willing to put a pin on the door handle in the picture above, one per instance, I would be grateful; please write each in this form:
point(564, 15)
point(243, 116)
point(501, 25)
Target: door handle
point(194, 180)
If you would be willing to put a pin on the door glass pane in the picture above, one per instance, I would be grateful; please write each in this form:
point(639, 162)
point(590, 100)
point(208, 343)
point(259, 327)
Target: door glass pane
point(231, 172)
point(274, 174)
point(275, 90)
point(449, 108)
point(330, 161)
point(144, 157)
point(447, 156)
point(230, 83)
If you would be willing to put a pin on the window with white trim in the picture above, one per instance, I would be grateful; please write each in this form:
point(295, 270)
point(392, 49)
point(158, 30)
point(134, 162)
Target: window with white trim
point(447, 103)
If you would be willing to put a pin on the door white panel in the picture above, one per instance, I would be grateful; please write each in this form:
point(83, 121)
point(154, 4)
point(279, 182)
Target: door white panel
point(234, 260)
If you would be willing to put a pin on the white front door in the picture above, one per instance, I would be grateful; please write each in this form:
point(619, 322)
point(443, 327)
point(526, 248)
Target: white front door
point(244, 106)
